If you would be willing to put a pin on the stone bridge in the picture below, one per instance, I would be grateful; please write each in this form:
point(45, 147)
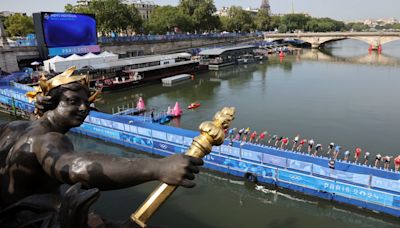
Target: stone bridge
point(318, 39)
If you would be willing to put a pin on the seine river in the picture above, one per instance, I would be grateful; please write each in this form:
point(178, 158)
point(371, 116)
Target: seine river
point(342, 94)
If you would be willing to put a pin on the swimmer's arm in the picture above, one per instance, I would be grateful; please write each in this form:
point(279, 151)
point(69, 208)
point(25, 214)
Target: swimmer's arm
point(105, 171)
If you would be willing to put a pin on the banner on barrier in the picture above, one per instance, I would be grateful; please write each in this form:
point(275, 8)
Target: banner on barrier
point(346, 190)
point(392, 185)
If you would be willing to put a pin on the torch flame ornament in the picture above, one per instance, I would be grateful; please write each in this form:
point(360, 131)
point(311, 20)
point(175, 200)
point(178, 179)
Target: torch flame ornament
point(211, 134)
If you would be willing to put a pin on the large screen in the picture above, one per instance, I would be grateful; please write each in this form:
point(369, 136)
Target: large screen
point(69, 29)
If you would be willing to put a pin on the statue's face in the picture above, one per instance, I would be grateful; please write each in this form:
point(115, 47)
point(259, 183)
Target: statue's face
point(73, 108)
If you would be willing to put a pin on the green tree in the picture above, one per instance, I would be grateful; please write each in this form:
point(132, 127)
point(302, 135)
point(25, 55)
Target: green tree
point(294, 21)
point(262, 19)
point(111, 16)
point(18, 25)
point(358, 26)
point(239, 20)
point(202, 14)
point(166, 18)
point(274, 23)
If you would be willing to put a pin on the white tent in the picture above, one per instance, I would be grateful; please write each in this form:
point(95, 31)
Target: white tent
point(108, 56)
point(49, 64)
point(90, 55)
point(74, 57)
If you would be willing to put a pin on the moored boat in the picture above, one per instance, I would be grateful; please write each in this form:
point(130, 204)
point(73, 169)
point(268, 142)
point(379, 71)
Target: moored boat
point(129, 79)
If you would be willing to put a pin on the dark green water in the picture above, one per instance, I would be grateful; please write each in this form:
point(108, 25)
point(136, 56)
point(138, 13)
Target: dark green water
point(343, 94)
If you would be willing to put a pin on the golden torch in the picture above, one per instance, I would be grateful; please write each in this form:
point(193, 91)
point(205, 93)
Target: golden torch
point(211, 134)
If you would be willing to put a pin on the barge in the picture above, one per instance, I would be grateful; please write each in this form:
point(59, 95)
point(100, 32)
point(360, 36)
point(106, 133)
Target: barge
point(363, 186)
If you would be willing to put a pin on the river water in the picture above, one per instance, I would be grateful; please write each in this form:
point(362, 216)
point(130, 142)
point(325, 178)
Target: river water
point(342, 94)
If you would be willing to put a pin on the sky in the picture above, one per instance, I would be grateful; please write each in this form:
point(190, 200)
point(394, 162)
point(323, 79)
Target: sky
point(345, 10)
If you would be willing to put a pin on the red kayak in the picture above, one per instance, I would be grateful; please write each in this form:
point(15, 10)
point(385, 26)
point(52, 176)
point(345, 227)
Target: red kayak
point(194, 105)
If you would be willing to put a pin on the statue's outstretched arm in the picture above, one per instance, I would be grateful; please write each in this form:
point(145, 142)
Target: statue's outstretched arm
point(56, 154)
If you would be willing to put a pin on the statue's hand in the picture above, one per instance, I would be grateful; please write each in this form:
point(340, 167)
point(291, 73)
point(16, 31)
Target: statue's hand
point(178, 169)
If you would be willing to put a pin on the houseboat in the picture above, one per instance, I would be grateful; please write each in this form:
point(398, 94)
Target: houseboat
point(217, 58)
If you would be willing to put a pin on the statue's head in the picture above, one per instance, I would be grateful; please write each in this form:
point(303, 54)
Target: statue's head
point(66, 95)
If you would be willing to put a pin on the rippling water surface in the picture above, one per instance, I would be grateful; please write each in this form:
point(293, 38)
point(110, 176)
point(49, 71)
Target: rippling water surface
point(343, 94)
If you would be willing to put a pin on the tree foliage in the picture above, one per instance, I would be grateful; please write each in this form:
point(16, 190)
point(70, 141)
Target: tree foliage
point(238, 20)
point(166, 19)
point(111, 16)
point(262, 20)
point(201, 13)
point(358, 26)
point(18, 25)
point(292, 22)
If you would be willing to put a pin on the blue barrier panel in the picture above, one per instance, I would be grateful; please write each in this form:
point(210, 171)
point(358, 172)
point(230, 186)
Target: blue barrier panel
point(323, 171)
point(144, 131)
point(159, 135)
point(274, 160)
point(360, 193)
point(100, 130)
point(304, 180)
point(118, 126)
point(352, 177)
point(383, 183)
point(178, 139)
point(251, 155)
point(299, 165)
point(230, 150)
point(168, 147)
point(187, 141)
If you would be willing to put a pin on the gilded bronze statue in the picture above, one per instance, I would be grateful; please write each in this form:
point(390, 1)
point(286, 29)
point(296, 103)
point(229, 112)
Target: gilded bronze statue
point(46, 183)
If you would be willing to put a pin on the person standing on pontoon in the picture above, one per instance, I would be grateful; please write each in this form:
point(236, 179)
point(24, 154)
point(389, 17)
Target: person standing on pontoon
point(284, 141)
point(386, 161)
point(246, 132)
point(397, 163)
point(331, 146)
point(295, 141)
point(274, 137)
point(277, 140)
point(336, 152)
point(378, 158)
point(253, 136)
point(346, 155)
point(357, 154)
point(261, 137)
point(239, 134)
point(310, 145)
point(366, 158)
point(317, 148)
point(302, 142)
